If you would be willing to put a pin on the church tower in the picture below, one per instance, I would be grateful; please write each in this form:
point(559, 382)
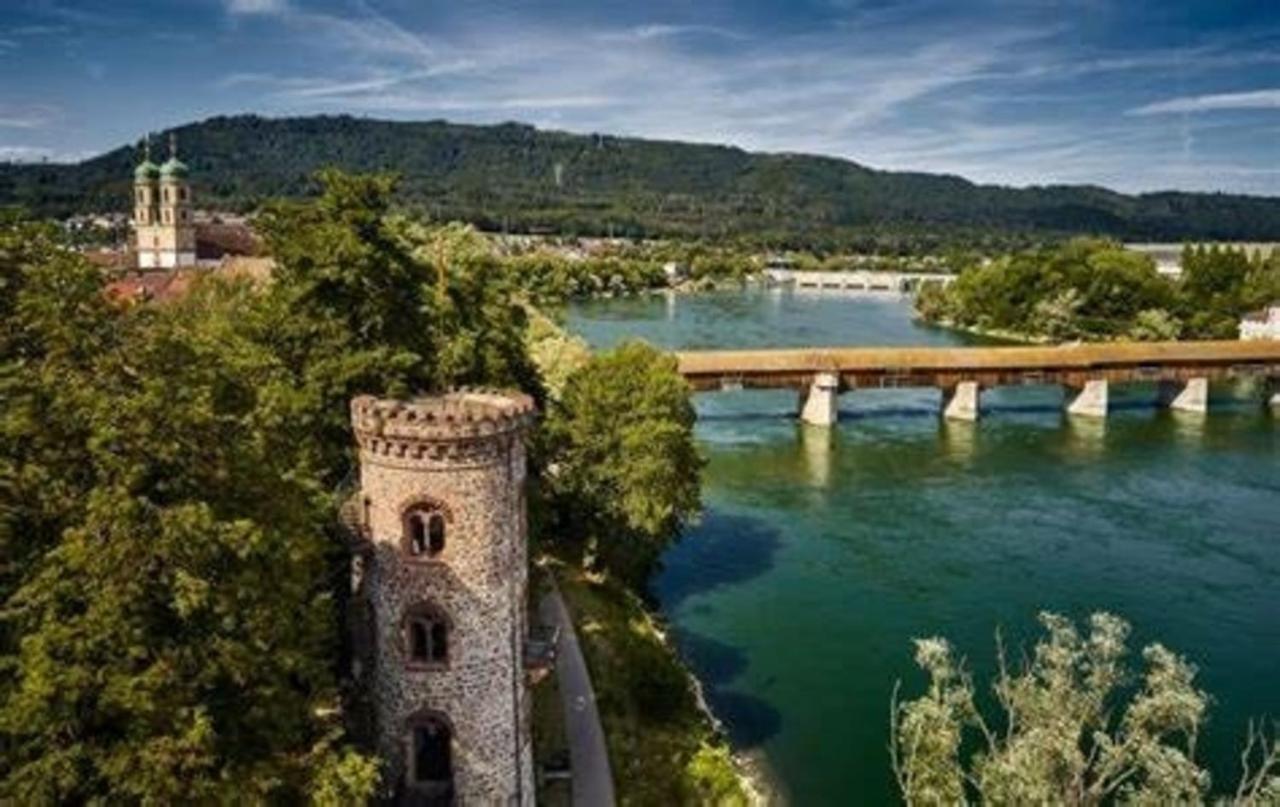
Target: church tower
point(166, 234)
point(439, 595)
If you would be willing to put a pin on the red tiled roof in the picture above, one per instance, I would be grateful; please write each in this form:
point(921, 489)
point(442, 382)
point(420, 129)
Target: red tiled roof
point(154, 284)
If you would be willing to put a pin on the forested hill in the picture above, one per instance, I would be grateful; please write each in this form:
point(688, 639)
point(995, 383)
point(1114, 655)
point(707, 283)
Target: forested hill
point(519, 178)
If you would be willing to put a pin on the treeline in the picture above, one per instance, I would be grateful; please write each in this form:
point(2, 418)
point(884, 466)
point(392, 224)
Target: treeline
point(1097, 290)
point(171, 565)
point(514, 178)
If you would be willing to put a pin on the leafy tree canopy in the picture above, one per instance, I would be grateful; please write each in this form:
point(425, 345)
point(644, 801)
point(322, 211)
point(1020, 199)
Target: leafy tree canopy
point(623, 471)
point(1097, 290)
point(1067, 734)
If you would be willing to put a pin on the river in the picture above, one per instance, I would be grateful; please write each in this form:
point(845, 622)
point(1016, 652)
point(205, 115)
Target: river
point(820, 555)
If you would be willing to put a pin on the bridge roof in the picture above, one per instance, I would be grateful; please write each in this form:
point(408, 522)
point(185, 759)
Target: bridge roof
point(1072, 357)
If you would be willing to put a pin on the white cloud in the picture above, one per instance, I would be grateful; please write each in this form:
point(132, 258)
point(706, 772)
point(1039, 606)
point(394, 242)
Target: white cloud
point(257, 6)
point(1256, 99)
point(34, 116)
point(668, 31)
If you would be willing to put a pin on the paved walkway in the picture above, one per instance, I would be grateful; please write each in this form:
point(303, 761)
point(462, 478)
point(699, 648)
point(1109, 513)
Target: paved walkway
point(588, 755)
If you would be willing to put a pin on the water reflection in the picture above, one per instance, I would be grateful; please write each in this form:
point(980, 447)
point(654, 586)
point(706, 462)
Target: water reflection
point(1087, 436)
point(815, 444)
point(958, 439)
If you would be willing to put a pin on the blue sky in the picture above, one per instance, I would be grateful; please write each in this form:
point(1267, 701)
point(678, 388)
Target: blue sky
point(1132, 94)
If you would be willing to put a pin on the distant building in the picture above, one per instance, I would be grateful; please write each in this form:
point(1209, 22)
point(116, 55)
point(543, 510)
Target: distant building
point(164, 232)
point(1264, 324)
point(1168, 257)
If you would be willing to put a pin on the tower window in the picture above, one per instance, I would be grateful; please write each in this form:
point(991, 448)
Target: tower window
point(424, 532)
point(186, 195)
point(426, 637)
point(431, 757)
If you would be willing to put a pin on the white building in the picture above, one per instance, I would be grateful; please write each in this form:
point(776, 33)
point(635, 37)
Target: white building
point(1264, 324)
point(164, 229)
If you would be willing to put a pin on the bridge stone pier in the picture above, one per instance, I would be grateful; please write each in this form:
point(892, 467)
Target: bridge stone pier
point(1089, 400)
point(1191, 396)
point(819, 404)
point(1182, 371)
point(961, 401)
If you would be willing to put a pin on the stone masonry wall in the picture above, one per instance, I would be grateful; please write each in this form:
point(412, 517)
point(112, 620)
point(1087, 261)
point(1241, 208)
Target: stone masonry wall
point(475, 473)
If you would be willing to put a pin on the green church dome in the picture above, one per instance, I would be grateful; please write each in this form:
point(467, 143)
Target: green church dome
point(146, 170)
point(173, 167)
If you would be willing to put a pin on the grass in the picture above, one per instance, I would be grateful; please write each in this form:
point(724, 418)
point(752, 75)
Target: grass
point(662, 747)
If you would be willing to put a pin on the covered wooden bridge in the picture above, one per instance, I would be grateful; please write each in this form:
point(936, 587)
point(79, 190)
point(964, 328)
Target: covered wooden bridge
point(1182, 369)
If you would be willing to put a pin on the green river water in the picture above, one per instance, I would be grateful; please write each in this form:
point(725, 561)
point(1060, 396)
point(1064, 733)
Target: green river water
point(820, 555)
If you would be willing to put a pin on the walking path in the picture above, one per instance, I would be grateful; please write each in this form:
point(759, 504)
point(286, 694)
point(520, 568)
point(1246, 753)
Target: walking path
point(588, 755)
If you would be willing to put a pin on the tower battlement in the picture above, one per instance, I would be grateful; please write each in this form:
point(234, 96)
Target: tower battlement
point(383, 425)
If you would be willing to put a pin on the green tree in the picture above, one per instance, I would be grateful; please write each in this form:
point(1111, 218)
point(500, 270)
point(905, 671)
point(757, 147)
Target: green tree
point(1155, 325)
point(622, 468)
point(175, 643)
point(1066, 736)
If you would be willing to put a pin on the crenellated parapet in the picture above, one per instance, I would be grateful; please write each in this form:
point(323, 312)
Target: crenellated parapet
point(462, 426)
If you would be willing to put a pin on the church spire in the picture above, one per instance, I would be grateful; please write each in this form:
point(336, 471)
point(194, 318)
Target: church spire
point(146, 170)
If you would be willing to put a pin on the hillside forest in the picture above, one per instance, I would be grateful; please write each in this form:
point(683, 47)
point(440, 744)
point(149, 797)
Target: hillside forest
point(515, 178)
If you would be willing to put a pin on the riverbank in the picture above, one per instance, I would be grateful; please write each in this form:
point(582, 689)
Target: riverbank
point(986, 333)
point(663, 746)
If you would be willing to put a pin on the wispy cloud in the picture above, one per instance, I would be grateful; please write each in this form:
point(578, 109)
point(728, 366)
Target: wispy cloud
point(75, 15)
point(1010, 91)
point(32, 116)
point(257, 6)
point(1254, 99)
point(670, 31)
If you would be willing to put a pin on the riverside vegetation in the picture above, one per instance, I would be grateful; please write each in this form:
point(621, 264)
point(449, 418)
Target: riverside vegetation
point(1093, 289)
point(1067, 735)
point(170, 478)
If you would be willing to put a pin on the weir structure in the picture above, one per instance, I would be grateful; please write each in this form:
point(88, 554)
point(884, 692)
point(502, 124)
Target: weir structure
point(1181, 370)
point(857, 279)
point(437, 606)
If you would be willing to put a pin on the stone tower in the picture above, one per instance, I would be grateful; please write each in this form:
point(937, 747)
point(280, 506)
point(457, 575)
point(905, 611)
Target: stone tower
point(166, 233)
point(439, 584)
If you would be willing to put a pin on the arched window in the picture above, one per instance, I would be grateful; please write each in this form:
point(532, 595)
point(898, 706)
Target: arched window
point(424, 531)
point(430, 769)
point(426, 637)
